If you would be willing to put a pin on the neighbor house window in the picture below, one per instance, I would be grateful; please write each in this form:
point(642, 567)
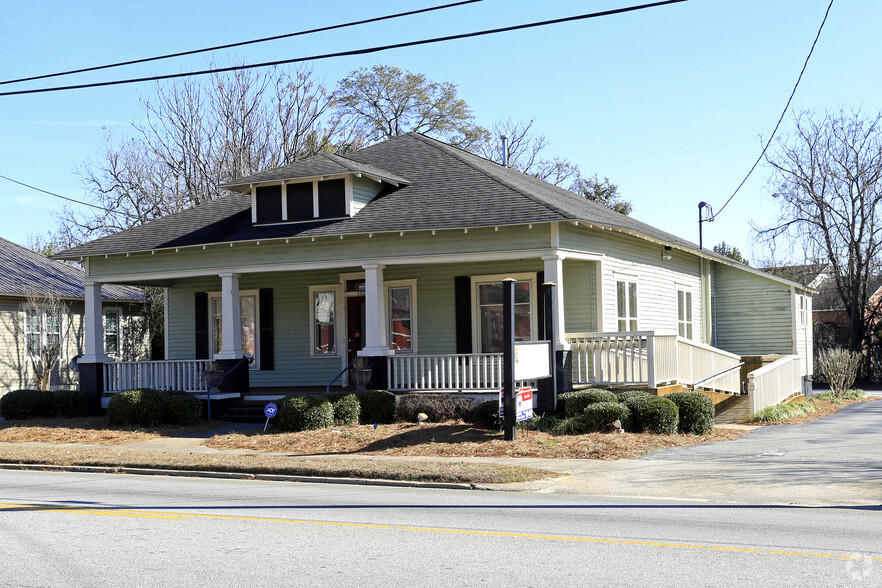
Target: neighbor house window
point(324, 322)
point(247, 318)
point(402, 320)
point(41, 329)
point(489, 319)
point(111, 332)
point(626, 304)
point(684, 313)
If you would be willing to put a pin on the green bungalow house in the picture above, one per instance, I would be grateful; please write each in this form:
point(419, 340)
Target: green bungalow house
point(396, 253)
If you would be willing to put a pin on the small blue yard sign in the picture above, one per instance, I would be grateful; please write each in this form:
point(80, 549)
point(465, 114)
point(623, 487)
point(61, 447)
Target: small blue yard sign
point(270, 411)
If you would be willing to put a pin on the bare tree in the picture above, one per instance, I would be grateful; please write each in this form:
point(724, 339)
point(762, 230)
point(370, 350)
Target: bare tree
point(47, 324)
point(195, 135)
point(826, 177)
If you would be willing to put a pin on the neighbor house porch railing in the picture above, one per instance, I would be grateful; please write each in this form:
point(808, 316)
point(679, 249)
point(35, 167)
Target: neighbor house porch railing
point(774, 382)
point(187, 375)
point(647, 358)
point(462, 372)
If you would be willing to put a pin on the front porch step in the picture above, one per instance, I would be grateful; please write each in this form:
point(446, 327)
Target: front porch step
point(244, 411)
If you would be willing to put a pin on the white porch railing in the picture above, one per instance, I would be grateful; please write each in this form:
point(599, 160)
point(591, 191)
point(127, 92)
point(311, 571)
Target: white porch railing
point(774, 382)
point(697, 362)
point(472, 371)
point(187, 375)
point(647, 358)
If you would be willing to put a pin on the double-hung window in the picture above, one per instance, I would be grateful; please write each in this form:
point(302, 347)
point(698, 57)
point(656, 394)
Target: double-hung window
point(489, 319)
point(402, 316)
point(324, 321)
point(111, 332)
point(248, 320)
point(626, 304)
point(684, 313)
point(42, 329)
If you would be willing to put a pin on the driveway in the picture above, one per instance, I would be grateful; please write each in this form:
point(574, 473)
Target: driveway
point(836, 460)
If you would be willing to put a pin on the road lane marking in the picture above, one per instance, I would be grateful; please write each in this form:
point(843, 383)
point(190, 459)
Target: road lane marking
point(9, 506)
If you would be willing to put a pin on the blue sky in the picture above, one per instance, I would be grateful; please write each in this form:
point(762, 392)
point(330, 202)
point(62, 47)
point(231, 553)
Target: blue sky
point(669, 103)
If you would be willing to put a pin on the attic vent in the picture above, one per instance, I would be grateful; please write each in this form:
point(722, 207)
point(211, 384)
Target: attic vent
point(269, 204)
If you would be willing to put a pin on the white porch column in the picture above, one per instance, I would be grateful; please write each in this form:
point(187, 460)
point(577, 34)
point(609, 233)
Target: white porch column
point(93, 326)
point(375, 340)
point(231, 330)
point(554, 273)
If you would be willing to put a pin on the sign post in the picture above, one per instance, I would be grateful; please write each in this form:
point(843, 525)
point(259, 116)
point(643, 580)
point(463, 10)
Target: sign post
point(508, 338)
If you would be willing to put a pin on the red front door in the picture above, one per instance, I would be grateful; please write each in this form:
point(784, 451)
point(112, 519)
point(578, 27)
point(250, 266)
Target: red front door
point(355, 320)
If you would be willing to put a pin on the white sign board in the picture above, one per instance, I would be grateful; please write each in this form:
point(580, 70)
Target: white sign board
point(523, 406)
point(531, 360)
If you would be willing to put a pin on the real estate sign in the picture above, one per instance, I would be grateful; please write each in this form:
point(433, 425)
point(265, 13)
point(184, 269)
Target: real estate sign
point(523, 406)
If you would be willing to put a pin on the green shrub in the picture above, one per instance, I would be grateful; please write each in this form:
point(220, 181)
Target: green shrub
point(853, 394)
point(574, 403)
point(780, 412)
point(602, 414)
point(546, 423)
point(577, 425)
point(27, 404)
point(438, 407)
point(304, 413)
point(69, 403)
point(139, 407)
point(653, 414)
point(627, 395)
point(182, 409)
point(486, 416)
point(347, 409)
point(696, 412)
point(377, 406)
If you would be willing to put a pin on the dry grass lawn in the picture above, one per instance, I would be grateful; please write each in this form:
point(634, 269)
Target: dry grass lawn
point(458, 439)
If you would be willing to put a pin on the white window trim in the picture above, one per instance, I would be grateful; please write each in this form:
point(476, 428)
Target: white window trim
point(685, 290)
point(412, 284)
point(628, 279)
point(211, 334)
point(62, 355)
point(119, 314)
point(339, 325)
point(490, 278)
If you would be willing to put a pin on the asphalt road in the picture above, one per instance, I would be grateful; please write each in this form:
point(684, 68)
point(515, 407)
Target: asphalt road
point(64, 529)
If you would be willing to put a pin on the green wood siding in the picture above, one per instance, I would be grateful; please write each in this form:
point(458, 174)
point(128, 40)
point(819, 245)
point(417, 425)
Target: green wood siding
point(355, 248)
point(580, 296)
point(753, 313)
point(364, 190)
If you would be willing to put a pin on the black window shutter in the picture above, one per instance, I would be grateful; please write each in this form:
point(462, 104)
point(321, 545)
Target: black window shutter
point(266, 329)
point(462, 292)
point(540, 306)
point(202, 325)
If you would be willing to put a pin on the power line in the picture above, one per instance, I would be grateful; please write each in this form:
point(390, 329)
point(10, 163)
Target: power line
point(101, 208)
point(786, 106)
point(242, 43)
point(365, 51)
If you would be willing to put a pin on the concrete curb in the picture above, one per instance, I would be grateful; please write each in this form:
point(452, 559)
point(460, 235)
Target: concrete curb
point(239, 476)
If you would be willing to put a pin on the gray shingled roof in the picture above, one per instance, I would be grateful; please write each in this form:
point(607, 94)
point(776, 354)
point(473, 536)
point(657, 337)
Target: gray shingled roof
point(445, 188)
point(23, 271)
point(325, 164)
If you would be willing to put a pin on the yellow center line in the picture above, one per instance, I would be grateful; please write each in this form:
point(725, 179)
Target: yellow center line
point(180, 516)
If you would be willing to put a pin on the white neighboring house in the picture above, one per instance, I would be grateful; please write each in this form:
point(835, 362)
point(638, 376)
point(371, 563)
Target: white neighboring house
point(23, 271)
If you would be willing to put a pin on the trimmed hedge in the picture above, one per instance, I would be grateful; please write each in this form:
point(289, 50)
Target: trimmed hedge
point(574, 403)
point(377, 406)
point(139, 407)
point(40, 404)
point(182, 409)
point(304, 413)
point(347, 408)
point(653, 414)
point(486, 416)
point(438, 407)
point(600, 415)
point(696, 412)
point(627, 395)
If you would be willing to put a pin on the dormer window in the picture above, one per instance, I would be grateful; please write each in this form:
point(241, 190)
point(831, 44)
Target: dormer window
point(302, 201)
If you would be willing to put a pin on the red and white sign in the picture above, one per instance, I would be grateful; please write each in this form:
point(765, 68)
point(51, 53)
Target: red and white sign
point(523, 405)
